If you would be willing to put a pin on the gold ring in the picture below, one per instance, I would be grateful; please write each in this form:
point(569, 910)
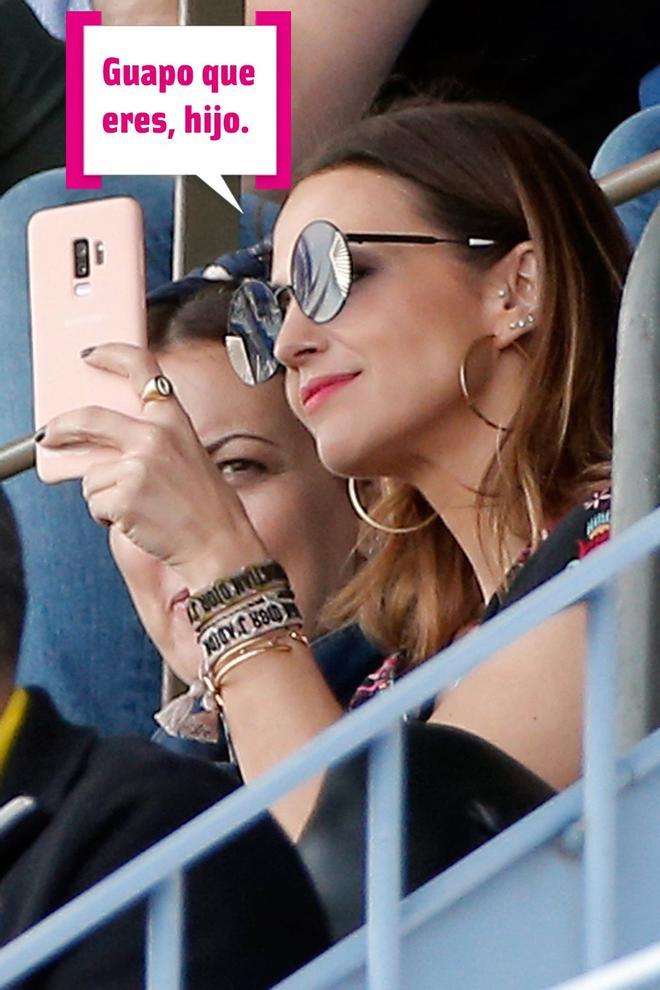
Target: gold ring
point(157, 388)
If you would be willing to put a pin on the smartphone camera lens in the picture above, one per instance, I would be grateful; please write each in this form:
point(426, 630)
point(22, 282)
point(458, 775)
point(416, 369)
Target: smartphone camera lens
point(81, 257)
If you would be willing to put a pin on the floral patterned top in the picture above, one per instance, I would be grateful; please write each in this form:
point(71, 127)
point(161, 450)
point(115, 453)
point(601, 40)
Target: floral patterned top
point(579, 532)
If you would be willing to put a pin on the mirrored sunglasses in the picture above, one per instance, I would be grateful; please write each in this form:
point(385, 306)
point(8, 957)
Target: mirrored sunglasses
point(321, 276)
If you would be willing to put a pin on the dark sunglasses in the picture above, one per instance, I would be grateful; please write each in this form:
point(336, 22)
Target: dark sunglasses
point(321, 277)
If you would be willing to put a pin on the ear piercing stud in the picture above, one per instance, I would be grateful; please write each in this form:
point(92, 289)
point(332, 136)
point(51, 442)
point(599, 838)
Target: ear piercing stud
point(528, 321)
point(521, 324)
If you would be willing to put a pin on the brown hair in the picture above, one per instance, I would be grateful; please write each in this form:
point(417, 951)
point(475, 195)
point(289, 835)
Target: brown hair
point(202, 316)
point(489, 171)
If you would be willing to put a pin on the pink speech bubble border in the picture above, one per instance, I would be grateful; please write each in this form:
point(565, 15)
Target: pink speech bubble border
point(281, 20)
point(76, 22)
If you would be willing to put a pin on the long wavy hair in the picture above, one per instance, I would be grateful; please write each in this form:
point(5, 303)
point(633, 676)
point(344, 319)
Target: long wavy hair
point(489, 171)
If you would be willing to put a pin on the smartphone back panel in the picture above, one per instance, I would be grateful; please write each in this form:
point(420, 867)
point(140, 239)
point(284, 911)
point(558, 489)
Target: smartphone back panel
point(78, 302)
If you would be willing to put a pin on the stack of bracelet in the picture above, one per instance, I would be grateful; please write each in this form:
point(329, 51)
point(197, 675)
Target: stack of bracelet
point(240, 617)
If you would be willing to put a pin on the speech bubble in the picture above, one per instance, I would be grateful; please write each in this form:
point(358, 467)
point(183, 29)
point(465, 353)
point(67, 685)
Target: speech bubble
point(206, 101)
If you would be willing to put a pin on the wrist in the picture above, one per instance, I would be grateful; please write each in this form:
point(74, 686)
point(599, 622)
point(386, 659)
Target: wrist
point(220, 557)
point(204, 570)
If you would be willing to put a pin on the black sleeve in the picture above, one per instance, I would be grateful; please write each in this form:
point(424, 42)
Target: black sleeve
point(559, 66)
point(251, 915)
point(576, 535)
point(31, 95)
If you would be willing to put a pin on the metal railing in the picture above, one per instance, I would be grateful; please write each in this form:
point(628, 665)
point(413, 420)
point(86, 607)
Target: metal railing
point(632, 180)
point(205, 225)
point(638, 969)
point(157, 872)
point(636, 481)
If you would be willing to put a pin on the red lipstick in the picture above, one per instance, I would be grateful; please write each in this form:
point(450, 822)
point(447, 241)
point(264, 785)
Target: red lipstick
point(319, 389)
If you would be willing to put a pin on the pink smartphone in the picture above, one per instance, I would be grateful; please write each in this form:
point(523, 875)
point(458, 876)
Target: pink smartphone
point(86, 268)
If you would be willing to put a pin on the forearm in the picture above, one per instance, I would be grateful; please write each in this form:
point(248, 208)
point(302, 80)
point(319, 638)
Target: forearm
point(274, 704)
point(527, 699)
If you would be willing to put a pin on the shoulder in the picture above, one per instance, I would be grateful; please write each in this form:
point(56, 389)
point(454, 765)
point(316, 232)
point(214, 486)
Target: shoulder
point(581, 530)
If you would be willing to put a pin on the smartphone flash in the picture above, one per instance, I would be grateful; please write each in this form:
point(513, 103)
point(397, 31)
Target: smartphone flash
point(99, 249)
point(82, 289)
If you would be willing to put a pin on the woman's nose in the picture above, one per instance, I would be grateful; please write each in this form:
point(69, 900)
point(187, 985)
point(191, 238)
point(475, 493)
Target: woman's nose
point(298, 338)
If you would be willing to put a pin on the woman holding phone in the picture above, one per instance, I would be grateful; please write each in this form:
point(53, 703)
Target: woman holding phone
point(262, 453)
point(444, 295)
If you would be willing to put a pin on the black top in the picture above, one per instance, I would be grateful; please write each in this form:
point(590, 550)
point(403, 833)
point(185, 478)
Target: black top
point(568, 65)
point(577, 534)
point(31, 95)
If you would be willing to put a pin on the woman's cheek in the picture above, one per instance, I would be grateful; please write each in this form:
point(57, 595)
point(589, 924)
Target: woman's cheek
point(181, 652)
point(280, 510)
point(293, 395)
point(135, 565)
point(263, 509)
point(143, 579)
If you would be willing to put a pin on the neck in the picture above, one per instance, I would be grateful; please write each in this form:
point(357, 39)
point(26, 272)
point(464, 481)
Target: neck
point(448, 468)
point(452, 495)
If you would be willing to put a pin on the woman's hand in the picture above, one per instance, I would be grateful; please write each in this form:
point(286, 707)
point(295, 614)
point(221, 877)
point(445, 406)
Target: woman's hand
point(161, 490)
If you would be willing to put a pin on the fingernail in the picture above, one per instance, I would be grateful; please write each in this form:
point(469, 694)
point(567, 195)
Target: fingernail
point(39, 435)
point(87, 351)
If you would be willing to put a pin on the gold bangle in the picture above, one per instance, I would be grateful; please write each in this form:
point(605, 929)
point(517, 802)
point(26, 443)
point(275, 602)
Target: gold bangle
point(239, 651)
point(213, 680)
point(248, 655)
point(258, 643)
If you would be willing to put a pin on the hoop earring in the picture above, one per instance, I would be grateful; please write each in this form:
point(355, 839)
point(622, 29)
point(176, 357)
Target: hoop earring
point(462, 381)
point(364, 515)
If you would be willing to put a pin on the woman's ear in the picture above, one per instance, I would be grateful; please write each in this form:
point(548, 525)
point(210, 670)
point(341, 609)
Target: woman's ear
point(517, 276)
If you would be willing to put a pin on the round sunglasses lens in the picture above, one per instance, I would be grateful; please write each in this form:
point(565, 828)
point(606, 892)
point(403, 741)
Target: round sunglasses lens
point(321, 271)
point(253, 323)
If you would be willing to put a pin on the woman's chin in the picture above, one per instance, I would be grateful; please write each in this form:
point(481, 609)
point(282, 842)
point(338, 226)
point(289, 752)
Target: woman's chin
point(347, 458)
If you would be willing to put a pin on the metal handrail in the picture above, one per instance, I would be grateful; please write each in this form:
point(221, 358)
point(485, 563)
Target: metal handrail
point(637, 969)
point(155, 871)
point(205, 225)
point(632, 180)
point(636, 481)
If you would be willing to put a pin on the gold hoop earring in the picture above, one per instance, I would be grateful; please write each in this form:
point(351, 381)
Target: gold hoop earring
point(462, 381)
point(364, 515)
